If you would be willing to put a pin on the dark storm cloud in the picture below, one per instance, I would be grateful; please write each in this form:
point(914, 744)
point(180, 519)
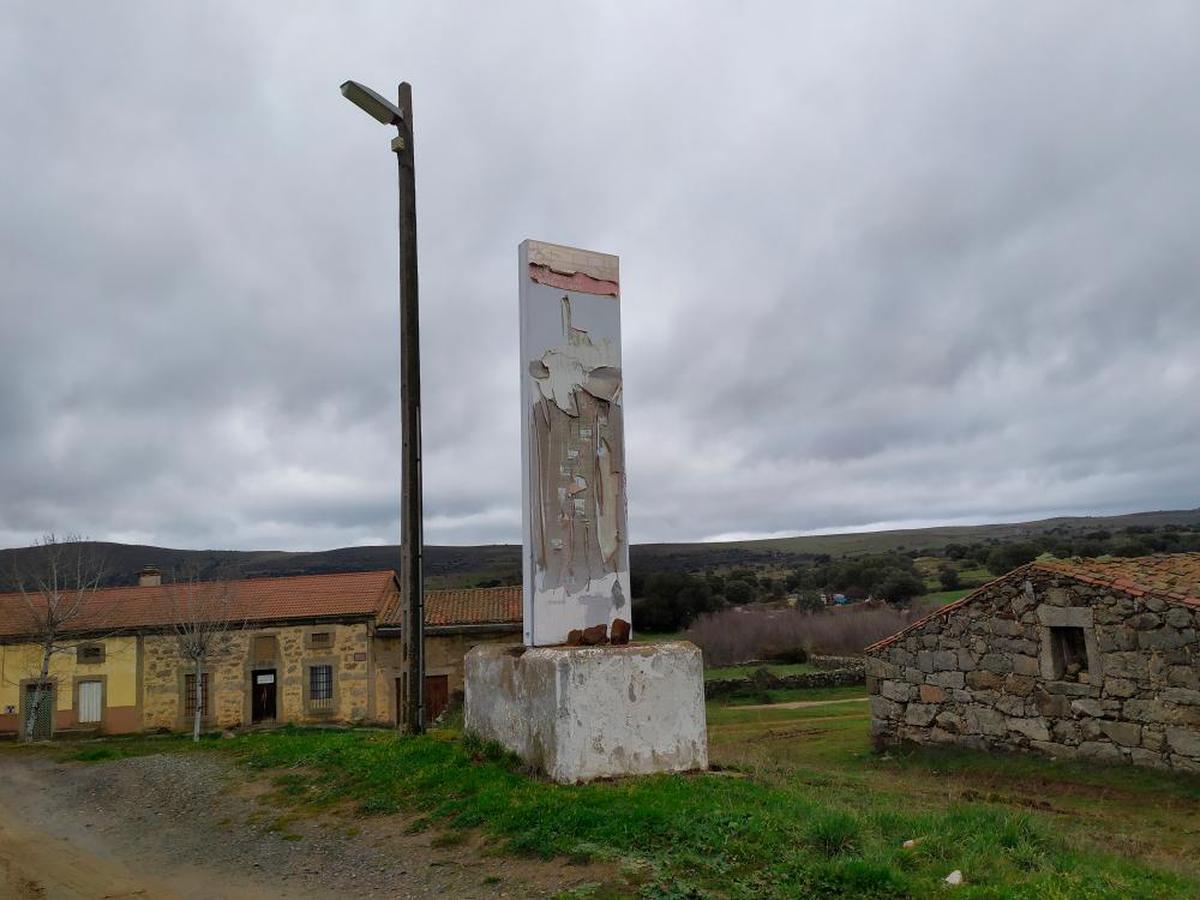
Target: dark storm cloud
point(908, 264)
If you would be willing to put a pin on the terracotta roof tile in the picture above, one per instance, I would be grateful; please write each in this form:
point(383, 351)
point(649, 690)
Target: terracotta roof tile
point(1171, 576)
point(1174, 576)
point(349, 594)
point(468, 606)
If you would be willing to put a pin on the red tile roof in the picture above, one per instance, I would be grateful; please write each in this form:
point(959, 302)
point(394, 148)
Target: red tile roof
point(1174, 577)
point(468, 606)
point(343, 595)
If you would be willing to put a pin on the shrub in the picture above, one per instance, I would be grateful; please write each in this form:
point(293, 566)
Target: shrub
point(733, 636)
point(949, 578)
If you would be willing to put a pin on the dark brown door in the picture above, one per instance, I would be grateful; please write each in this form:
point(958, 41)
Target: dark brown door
point(399, 701)
point(262, 696)
point(437, 696)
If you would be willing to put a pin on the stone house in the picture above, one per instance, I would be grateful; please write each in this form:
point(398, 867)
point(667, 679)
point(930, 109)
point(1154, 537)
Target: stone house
point(305, 649)
point(1095, 659)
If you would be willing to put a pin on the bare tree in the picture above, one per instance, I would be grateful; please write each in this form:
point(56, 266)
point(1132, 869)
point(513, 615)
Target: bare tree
point(203, 614)
point(56, 583)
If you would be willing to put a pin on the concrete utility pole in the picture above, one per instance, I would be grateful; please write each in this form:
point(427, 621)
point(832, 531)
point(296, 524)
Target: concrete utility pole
point(412, 537)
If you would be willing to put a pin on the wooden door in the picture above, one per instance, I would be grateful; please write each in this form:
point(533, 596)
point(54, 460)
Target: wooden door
point(45, 715)
point(263, 695)
point(437, 696)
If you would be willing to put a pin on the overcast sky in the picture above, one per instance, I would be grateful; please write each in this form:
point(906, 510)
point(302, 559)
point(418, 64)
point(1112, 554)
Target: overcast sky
point(881, 263)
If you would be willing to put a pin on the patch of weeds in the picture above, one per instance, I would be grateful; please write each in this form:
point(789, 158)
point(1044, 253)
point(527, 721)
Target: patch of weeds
point(854, 878)
point(585, 891)
point(291, 785)
point(282, 827)
point(96, 754)
point(448, 839)
point(491, 879)
point(352, 832)
point(416, 826)
point(377, 806)
point(833, 833)
point(482, 751)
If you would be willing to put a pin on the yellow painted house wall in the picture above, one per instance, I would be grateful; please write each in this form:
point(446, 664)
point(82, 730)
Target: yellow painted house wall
point(120, 712)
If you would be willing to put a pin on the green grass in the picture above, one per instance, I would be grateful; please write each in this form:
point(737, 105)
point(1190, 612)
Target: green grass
point(781, 669)
point(943, 597)
point(799, 807)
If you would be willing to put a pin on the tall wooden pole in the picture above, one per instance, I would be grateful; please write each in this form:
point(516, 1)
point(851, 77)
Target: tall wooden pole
point(412, 538)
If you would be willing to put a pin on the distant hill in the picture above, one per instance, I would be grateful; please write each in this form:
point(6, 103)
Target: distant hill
point(501, 563)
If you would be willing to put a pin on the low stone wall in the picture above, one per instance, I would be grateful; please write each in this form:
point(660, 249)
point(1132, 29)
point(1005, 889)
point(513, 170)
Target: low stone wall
point(990, 674)
point(765, 680)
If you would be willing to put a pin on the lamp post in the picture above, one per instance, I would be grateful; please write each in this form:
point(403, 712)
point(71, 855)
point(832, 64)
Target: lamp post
point(411, 527)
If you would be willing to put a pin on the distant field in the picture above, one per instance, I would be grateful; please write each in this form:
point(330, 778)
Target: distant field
point(941, 598)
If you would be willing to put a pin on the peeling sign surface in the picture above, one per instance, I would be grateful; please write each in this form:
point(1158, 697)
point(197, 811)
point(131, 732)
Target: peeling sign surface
point(576, 551)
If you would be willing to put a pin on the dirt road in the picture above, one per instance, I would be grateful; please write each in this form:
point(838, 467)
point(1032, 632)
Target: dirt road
point(193, 827)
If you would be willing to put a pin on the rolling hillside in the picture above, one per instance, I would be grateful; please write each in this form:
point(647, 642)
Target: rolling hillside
point(458, 566)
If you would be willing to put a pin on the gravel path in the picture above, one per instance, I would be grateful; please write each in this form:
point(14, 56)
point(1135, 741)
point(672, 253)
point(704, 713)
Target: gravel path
point(194, 826)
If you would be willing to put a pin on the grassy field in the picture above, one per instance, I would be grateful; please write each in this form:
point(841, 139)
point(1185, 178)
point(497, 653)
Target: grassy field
point(797, 806)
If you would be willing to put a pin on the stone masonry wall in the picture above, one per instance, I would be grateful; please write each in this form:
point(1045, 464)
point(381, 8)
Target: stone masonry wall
point(229, 677)
point(985, 676)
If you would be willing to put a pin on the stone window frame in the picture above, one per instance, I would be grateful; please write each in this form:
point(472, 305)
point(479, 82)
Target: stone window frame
point(1050, 617)
point(91, 646)
point(76, 682)
point(324, 711)
point(310, 635)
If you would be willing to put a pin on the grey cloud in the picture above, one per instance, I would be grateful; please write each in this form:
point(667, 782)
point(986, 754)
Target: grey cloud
point(921, 264)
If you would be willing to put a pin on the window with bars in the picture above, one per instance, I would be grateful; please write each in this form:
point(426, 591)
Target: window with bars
point(189, 696)
point(320, 687)
point(321, 640)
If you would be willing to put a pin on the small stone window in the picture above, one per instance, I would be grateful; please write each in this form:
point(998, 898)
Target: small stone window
point(321, 640)
point(1068, 646)
point(89, 654)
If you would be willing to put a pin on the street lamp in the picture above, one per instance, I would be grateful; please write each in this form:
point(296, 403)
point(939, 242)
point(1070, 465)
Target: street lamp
point(412, 595)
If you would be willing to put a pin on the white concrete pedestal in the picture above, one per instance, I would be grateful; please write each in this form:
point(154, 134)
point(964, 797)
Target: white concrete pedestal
point(578, 713)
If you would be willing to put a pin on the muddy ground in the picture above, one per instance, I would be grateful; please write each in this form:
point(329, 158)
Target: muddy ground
point(194, 826)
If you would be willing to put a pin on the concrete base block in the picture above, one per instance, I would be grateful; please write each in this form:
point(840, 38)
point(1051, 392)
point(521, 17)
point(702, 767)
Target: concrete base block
point(578, 713)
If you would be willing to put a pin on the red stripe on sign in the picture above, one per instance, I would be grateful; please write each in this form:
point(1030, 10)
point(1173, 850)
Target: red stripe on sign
point(576, 281)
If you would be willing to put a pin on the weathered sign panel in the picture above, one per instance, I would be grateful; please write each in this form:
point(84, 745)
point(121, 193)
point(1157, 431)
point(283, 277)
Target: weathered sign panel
point(576, 549)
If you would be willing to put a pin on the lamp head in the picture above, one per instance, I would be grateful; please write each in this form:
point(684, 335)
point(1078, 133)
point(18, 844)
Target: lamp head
point(372, 103)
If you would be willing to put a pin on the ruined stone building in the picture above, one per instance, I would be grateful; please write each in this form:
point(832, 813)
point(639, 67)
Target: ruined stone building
point(1094, 659)
point(306, 649)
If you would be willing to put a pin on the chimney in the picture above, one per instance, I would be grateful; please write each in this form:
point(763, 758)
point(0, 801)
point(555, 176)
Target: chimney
point(149, 577)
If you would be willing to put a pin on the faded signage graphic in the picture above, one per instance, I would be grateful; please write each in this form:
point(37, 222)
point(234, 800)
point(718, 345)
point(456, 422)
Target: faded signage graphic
point(576, 551)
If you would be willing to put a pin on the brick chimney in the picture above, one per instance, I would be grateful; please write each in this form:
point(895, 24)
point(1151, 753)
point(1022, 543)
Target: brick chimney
point(149, 577)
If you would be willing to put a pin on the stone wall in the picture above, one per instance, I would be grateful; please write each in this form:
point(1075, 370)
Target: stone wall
point(444, 655)
point(990, 674)
point(765, 680)
point(349, 654)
